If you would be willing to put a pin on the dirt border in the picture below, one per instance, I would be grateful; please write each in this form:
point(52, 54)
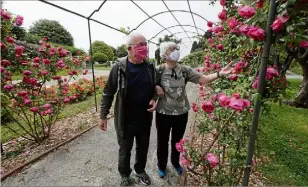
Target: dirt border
point(19, 168)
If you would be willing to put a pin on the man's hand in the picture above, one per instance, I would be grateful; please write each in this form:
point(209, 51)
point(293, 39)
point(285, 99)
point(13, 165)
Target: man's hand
point(160, 92)
point(103, 124)
point(153, 104)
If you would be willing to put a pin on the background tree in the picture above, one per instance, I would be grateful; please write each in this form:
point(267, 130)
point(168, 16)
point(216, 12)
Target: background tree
point(102, 47)
point(121, 51)
point(19, 33)
point(55, 32)
point(194, 47)
point(100, 58)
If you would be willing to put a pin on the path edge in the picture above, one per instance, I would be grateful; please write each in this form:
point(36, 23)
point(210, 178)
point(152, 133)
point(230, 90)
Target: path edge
point(20, 167)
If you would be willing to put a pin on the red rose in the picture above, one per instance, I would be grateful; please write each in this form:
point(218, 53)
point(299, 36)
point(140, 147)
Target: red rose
point(209, 24)
point(223, 15)
point(207, 106)
point(256, 33)
point(232, 23)
point(303, 44)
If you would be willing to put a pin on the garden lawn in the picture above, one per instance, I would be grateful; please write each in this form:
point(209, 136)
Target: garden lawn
point(284, 140)
point(69, 111)
point(100, 67)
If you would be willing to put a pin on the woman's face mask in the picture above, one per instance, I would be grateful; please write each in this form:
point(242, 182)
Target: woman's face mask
point(174, 56)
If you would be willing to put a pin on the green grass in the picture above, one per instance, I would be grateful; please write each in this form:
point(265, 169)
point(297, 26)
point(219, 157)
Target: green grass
point(60, 73)
point(293, 87)
point(100, 67)
point(284, 139)
point(69, 111)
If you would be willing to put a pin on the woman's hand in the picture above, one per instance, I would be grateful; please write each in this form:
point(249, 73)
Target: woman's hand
point(160, 92)
point(226, 70)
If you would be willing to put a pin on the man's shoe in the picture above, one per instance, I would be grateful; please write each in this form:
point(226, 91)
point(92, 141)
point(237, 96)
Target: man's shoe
point(144, 178)
point(126, 181)
point(161, 173)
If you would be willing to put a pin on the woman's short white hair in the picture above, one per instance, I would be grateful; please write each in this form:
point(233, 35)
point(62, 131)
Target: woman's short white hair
point(165, 46)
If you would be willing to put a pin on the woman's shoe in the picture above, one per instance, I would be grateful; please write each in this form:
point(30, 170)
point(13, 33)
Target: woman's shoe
point(161, 173)
point(179, 170)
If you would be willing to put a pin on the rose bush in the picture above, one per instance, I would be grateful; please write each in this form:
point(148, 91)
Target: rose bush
point(25, 101)
point(224, 110)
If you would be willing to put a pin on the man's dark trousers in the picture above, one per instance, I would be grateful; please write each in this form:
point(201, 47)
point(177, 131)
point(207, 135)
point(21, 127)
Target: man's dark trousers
point(139, 130)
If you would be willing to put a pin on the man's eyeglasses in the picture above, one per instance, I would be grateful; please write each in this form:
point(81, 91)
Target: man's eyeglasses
point(140, 44)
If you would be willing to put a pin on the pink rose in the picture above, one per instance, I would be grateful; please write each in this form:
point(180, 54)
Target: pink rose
point(36, 60)
point(260, 3)
point(66, 100)
point(236, 95)
point(34, 109)
point(19, 20)
point(27, 73)
point(209, 24)
point(3, 69)
point(222, 2)
point(44, 72)
point(232, 23)
point(5, 63)
point(220, 47)
point(271, 73)
point(46, 61)
point(237, 104)
point(19, 50)
point(60, 64)
point(244, 29)
point(210, 30)
point(303, 44)
point(63, 53)
point(22, 93)
point(212, 159)
point(278, 24)
point(246, 11)
point(56, 77)
point(3, 46)
point(184, 161)
point(52, 51)
point(210, 40)
point(87, 59)
point(233, 77)
point(179, 147)
point(33, 81)
point(223, 100)
point(256, 33)
point(239, 66)
point(6, 15)
point(27, 101)
point(218, 29)
point(207, 106)
point(47, 106)
point(9, 39)
point(246, 103)
point(223, 15)
point(8, 87)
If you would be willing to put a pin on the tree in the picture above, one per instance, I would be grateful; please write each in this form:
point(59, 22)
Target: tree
point(102, 47)
point(121, 51)
point(19, 32)
point(194, 47)
point(100, 58)
point(55, 32)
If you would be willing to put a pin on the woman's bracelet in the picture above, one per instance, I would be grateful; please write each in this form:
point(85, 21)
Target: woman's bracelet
point(218, 74)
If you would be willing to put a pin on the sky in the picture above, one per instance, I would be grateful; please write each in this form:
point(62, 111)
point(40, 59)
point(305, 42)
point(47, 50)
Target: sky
point(119, 14)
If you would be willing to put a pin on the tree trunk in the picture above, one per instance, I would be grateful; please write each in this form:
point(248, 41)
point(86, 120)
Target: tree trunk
point(301, 99)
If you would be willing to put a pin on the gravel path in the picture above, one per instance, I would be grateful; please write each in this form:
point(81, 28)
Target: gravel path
point(91, 160)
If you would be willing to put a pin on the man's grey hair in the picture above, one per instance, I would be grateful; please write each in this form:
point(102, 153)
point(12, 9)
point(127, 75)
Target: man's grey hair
point(130, 37)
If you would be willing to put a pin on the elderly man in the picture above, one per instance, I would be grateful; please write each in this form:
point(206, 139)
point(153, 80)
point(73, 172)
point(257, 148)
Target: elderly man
point(133, 79)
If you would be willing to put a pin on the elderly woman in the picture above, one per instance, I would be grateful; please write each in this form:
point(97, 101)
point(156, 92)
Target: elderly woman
point(173, 105)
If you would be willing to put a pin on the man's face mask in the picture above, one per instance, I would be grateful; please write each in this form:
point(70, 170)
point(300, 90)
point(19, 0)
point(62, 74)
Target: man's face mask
point(140, 52)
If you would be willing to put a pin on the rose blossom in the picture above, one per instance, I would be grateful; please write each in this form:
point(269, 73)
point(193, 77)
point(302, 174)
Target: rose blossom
point(19, 20)
point(183, 161)
point(85, 72)
point(222, 2)
point(278, 24)
point(27, 101)
point(6, 15)
point(212, 159)
point(9, 39)
point(220, 47)
point(260, 3)
point(46, 61)
point(19, 50)
point(8, 87)
point(223, 100)
point(246, 11)
point(209, 24)
point(256, 33)
point(207, 106)
point(232, 23)
point(233, 77)
point(22, 93)
point(27, 73)
point(271, 73)
point(244, 29)
point(34, 109)
point(2, 45)
point(303, 43)
point(179, 147)
point(222, 15)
